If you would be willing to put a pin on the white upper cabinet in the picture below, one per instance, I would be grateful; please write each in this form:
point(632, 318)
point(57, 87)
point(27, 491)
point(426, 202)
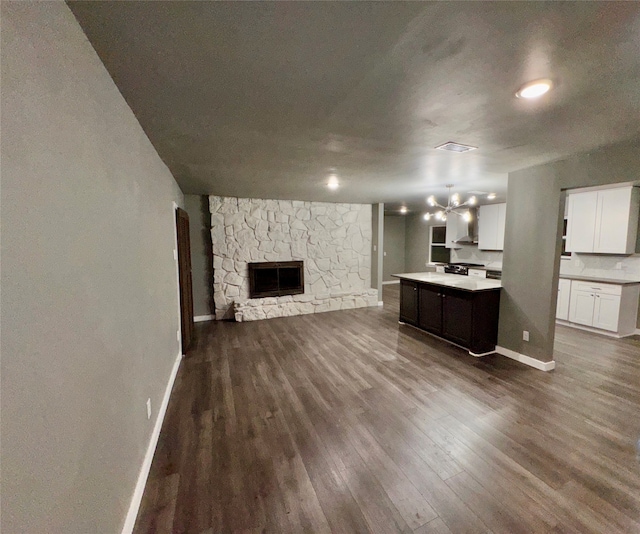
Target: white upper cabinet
point(457, 228)
point(617, 220)
point(604, 222)
point(491, 225)
point(581, 221)
point(502, 222)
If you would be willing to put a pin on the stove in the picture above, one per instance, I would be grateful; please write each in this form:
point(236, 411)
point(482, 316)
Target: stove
point(460, 268)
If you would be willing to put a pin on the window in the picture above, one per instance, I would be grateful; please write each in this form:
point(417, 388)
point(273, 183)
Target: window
point(438, 253)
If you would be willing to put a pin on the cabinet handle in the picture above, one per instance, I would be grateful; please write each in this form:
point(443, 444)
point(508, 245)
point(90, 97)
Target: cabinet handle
point(415, 289)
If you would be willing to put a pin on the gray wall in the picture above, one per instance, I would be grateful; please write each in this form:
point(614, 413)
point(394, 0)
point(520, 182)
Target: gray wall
point(394, 246)
point(377, 246)
point(531, 263)
point(89, 299)
point(197, 206)
point(418, 241)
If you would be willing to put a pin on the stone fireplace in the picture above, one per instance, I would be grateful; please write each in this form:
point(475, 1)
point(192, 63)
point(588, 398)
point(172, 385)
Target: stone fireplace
point(331, 240)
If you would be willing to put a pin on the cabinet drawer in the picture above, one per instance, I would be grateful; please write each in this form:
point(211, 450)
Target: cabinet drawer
point(595, 287)
point(478, 272)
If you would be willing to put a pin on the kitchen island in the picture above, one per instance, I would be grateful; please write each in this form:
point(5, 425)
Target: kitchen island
point(460, 309)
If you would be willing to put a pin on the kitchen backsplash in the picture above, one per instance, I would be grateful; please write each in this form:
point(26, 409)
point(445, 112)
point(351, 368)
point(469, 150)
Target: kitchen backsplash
point(471, 254)
point(605, 266)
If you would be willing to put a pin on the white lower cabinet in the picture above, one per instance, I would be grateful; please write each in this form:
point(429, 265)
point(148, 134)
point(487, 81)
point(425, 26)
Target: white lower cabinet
point(583, 304)
point(608, 307)
point(564, 294)
point(606, 312)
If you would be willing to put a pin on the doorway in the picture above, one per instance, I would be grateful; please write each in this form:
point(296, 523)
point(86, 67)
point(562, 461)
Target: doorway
point(598, 289)
point(185, 284)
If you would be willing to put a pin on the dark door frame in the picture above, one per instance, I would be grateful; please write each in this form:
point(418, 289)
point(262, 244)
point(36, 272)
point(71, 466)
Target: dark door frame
point(182, 255)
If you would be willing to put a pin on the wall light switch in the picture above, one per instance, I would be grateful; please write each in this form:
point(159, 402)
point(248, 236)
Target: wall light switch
point(619, 265)
point(525, 335)
point(385, 254)
point(375, 248)
point(148, 408)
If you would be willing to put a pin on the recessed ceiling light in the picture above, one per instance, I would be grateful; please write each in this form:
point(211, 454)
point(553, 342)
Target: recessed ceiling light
point(534, 89)
point(403, 210)
point(455, 147)
point(333, 182)
point(491, 196)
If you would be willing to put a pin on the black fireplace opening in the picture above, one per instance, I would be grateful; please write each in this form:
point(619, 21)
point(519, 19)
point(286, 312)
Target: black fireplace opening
point(276, 279)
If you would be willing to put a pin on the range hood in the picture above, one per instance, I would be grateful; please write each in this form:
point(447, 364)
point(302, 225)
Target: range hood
point(471, 237)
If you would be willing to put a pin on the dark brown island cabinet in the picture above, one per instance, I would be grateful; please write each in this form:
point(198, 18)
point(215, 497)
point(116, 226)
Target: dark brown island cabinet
point(466, 317)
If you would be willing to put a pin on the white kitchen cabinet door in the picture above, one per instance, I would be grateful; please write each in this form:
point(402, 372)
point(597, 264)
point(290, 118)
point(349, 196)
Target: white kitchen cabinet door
point(581, 221)
point(564, 295)
point(502, 221)
point(457, 228)
point(491, 225)
point(616, 226)
point(603, 221)
point(581, 307)
point(606, 312)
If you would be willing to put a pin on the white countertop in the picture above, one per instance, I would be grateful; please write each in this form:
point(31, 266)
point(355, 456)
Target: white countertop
point(456, 281)
point(600, 279)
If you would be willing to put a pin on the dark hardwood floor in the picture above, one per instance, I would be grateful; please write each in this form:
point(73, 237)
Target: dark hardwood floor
point(348, 422)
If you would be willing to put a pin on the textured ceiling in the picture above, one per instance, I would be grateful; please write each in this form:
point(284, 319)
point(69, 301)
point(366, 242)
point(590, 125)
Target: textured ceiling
point(264, 99)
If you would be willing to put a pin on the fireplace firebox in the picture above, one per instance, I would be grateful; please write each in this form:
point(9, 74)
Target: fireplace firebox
point(275, 279)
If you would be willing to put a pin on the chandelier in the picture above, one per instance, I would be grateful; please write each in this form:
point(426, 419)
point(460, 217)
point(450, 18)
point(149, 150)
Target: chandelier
point(453, 204)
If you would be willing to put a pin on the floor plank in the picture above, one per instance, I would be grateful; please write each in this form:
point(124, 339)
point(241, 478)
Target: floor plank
point(349, 422)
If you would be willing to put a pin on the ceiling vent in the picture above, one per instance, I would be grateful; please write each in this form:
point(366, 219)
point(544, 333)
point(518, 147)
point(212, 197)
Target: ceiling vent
point(455, 147)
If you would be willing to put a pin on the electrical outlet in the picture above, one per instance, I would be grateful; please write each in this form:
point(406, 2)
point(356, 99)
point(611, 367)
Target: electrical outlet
point(375, 248)
point(384, 254)
point(619, 265)
point(148, 408)
point(525, 335)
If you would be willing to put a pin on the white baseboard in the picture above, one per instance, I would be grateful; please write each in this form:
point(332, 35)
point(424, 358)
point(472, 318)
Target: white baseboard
point(391, 282)
point(380, 303)
point(597, 330)
point(134, 507)
point(527, 360)
point(202, 318)
point(481, 354)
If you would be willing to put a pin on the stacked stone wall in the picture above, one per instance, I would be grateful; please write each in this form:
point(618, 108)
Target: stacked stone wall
point(333, 240)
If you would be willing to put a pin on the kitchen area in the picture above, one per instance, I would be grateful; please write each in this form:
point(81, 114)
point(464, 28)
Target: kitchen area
point(450, 285)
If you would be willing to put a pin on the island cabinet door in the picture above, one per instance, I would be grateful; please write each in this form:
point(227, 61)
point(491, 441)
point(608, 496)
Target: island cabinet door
point(457, 317)
point(430, 303)
point(409, 302)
